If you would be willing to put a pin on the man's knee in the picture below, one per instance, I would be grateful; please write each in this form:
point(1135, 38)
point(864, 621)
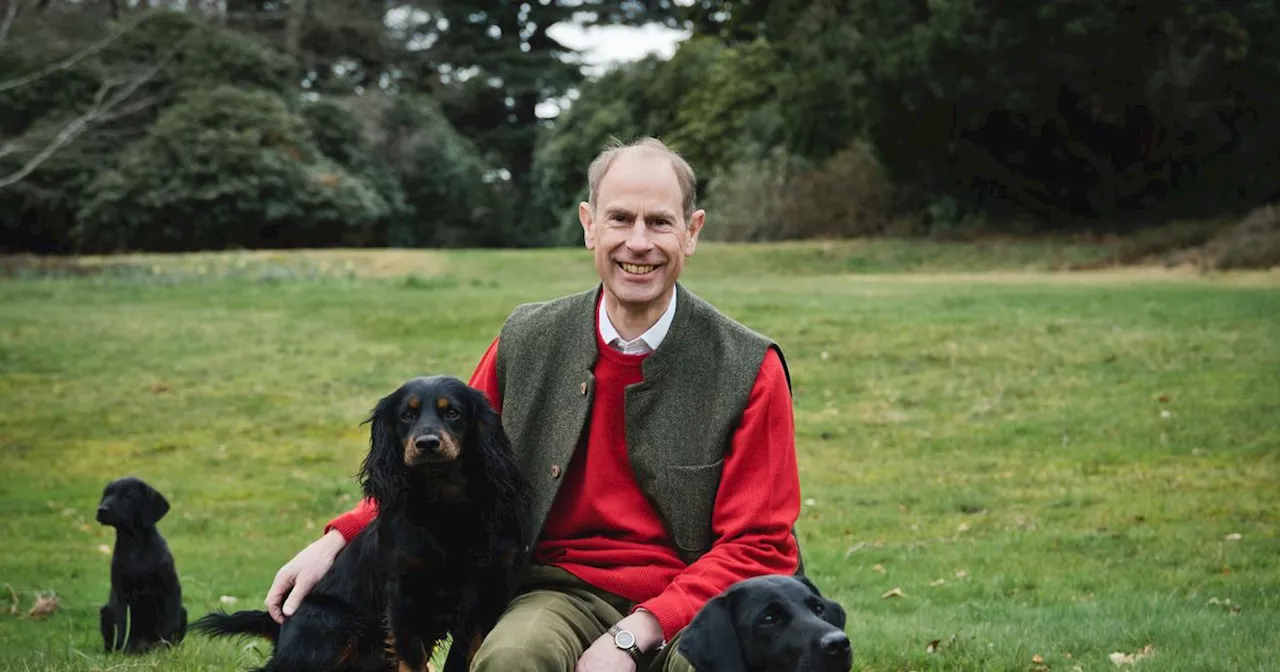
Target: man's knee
point(527, 656)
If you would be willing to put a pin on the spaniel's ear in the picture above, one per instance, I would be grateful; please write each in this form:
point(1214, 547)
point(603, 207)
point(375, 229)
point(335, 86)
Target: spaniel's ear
point(710, 642)
point(152, 507)
point(494, 449)
point(382, 474)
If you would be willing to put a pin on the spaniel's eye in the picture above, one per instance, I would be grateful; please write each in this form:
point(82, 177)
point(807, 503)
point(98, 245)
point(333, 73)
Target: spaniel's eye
point(452, 414)
point(407, 416)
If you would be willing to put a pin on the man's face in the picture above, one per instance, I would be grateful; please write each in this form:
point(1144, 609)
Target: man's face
point(637, 231)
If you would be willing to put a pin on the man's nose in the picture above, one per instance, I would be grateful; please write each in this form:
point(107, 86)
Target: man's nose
point(639, 236)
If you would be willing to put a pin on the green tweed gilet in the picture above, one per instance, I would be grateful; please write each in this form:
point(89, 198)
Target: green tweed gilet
point(679, 420)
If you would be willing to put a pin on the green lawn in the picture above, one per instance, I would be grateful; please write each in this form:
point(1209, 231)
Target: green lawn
point(1048, 467)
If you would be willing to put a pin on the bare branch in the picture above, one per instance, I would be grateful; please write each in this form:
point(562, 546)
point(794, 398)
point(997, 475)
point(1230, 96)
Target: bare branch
point(104, 109)
point(71, 60)
point(10, 13)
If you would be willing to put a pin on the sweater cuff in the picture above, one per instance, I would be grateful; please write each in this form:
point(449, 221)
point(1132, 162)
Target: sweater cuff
point(348, 525)
point(671, 617)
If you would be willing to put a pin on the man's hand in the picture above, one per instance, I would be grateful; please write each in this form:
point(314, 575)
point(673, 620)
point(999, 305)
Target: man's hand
point(604, 656)
point(301, 574)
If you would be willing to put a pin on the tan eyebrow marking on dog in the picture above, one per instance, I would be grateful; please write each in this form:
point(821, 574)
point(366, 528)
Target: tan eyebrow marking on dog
point(414, 402)
point(442, 403)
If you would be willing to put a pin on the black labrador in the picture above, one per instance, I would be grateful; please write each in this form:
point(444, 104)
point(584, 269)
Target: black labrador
point(769, 623)
point(145, 608)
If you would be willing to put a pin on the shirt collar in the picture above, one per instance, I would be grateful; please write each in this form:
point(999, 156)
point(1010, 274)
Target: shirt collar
point(646, 342)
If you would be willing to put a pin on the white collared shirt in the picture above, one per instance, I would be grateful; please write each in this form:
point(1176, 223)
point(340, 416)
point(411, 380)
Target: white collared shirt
point(644, 343)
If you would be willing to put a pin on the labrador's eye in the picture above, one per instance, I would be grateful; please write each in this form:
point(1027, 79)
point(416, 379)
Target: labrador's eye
point(819, 608)
point(772, 615)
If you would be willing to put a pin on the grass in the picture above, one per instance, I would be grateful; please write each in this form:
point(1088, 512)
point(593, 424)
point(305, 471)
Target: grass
point(1049, 467)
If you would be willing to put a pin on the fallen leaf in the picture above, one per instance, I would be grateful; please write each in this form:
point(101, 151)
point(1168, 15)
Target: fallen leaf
point(960, 574)
point(964, 527)
point(878, 568)
point(1166, 414)
point(1129, 658)
point(1164, 398)
point(810, 502)
point(45, 605)
point(159, 388)
point(227, 599)
point(1037, 659)
point(895, 592)
point(854, 549)
point(1234, 536)
point(902, 508)
point(933, 646)
point(939, 582)
point(104, 549)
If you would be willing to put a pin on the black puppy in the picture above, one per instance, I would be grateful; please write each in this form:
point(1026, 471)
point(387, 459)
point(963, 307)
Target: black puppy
point(145, 608)
point(768, 624)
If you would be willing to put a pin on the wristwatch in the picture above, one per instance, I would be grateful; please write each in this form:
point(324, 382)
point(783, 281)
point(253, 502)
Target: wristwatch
point(625, 640)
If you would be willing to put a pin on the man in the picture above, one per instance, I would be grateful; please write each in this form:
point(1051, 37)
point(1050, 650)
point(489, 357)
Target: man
point(657, 433)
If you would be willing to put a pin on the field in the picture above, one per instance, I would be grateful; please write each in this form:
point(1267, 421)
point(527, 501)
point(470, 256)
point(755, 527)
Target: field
point(1004, 466)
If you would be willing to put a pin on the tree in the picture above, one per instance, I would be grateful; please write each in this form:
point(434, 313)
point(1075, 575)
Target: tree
point(228, 167)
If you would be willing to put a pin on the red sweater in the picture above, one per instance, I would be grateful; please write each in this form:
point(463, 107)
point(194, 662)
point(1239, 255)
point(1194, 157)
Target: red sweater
point(602, 528)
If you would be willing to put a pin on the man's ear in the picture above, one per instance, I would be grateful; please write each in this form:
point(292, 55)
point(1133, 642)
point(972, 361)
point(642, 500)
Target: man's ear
point(694, 225)
point(586, 218)
point(710, 643)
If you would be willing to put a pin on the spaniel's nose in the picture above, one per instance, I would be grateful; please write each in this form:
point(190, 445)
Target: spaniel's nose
point(427, 443)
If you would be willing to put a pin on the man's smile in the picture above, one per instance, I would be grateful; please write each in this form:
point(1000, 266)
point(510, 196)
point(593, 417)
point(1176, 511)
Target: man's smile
point(637, 269)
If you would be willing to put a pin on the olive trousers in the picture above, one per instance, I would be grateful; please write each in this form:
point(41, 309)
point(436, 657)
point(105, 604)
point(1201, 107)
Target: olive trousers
point(552, 621)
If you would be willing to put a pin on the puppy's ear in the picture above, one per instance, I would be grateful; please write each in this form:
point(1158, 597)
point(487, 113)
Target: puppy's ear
point(832, 612)
point(382, 474)
point(710, 643)
point(152, 506)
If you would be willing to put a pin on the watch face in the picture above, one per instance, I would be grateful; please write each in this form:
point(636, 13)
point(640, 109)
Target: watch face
point(624, 639)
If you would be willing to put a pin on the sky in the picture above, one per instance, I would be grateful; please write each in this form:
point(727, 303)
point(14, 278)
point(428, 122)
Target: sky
point(602, 46)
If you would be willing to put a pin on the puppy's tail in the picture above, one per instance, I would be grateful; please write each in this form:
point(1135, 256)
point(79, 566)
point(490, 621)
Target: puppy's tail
point(252, 623)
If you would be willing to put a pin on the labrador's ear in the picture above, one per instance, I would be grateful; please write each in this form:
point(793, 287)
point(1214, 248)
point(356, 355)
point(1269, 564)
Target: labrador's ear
point(710, 643)
point(833, 613)
point(152, 508)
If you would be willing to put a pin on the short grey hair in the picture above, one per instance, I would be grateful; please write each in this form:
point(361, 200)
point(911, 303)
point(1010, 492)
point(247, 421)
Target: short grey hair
point(615, 147)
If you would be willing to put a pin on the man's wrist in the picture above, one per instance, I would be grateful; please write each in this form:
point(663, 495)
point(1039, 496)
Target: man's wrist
point(644, 625)
point(334, 541)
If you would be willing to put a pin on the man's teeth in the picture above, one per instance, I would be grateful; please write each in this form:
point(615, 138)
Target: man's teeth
point(638, 269)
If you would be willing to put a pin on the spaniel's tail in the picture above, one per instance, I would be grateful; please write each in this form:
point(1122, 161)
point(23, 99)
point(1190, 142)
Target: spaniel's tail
point(251, 623)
